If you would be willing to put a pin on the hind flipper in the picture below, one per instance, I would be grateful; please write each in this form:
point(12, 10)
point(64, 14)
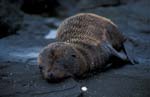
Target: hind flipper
point(116, 58)
point(130, 55)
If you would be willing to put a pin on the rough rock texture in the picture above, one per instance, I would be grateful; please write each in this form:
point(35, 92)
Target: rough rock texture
point(24, 80)
point(69, 7)
point(19, 76)
point(10, 17)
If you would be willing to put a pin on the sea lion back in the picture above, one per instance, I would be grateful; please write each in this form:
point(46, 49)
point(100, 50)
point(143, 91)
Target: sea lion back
point(90, 29)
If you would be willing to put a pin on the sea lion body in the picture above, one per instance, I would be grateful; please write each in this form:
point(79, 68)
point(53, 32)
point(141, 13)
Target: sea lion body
point(84, 42)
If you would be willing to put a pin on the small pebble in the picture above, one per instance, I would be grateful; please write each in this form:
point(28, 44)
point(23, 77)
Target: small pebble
point(84, 88)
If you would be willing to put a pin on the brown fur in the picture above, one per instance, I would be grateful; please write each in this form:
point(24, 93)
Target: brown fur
point(80, 46)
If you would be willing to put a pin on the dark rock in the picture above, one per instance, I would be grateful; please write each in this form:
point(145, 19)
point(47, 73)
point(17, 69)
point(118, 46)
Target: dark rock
point(41, 7)
point(87, 4)
point(10, 17)
point(70, 7)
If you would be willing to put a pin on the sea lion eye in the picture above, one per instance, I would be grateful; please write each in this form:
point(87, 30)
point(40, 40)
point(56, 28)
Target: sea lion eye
point(73, 56)
point(40, 67)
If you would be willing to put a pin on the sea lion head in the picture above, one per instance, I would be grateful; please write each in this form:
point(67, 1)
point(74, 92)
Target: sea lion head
point(58, 61)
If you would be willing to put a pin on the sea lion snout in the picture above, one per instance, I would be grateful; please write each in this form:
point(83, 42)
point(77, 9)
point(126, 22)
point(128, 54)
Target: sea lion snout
point(51, 74)
point(56, 76)
point(55, 73)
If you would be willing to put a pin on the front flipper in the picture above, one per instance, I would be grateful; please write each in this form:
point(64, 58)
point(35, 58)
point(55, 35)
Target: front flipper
point(116, 57)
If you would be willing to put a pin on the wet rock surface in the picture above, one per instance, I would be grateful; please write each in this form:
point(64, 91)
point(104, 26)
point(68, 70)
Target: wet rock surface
point(19, 74)
point(24, 80)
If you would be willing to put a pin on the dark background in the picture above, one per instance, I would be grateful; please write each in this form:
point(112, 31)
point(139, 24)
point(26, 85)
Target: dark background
point(24, 25)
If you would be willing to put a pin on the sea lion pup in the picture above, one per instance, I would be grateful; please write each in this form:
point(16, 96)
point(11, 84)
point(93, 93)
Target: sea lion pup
point(84, 42)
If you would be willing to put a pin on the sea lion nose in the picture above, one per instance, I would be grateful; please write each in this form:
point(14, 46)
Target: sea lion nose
point(51, 75)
